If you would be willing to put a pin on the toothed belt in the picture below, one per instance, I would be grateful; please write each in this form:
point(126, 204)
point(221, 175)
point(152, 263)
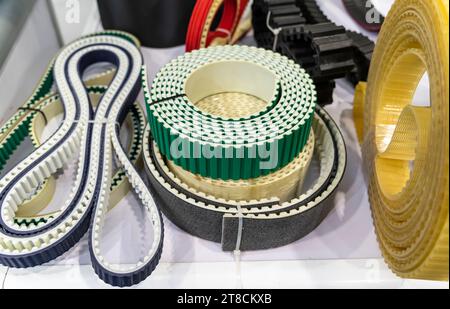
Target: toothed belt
point(28, 238)
point(233, 99)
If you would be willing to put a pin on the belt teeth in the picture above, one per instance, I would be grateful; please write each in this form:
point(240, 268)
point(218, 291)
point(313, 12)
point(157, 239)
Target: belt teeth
point(216, 218)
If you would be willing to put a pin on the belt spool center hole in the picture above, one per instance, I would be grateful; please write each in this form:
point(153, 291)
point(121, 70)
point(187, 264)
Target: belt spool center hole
point(404, 111)
point(231, 89)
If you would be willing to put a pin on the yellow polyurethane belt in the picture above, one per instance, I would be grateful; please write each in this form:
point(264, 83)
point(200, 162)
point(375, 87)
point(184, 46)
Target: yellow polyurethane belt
point(405, 147)
point(45, 109)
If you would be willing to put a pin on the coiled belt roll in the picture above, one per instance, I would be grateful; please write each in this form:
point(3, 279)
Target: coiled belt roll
point(245, 224)
point(231, 149)
point(200, 34)
point(302, 32)
point(251, 225)
point(95, 134)
point(406, 148)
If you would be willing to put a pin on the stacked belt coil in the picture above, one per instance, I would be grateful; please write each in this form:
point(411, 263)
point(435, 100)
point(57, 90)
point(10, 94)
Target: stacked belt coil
point(202, 31)
point(226, 200)
point(362, 46)
point(300, 30)
point(406, 147)
point(92, 136)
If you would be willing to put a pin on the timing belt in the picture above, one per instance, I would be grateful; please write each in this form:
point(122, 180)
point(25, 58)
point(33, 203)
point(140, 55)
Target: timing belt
point(362, 46)
point(307, 36)
point(252, 221)
point(324, 50)
point(37, 117)
point(406, 147)
point(94, 135)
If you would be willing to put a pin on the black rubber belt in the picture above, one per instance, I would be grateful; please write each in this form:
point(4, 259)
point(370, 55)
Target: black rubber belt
point(327, 51)
point(360, 10)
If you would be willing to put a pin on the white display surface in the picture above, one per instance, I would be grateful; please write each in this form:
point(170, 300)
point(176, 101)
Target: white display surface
point(341, 252)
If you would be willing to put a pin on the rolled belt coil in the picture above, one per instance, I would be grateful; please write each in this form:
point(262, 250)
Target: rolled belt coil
point(95, 135)
point(251, 225)
point(231, 149)
point(405, 147)
point(324, 50)
point(362, 46)
point(200, 33)
point(30, 120)
point(284, 184)
point(30, 213)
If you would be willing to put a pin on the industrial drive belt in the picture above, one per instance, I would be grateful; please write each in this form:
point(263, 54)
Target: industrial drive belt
point(251, 224)
point(92, 136)
point(324, 50)
point(300, 30)
point(254, 87)
point(405, 146)
point(30, 212)
point(231, 149)
point(202, 31)
point(362, 46)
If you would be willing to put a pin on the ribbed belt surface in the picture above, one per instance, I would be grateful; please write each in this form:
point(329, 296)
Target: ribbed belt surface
point(405, 147)
point(95, 135)
point(231, 149)
point(29, 213)
point(362, 46)
point(284, 184)
point(200, 33)
point(214, 209)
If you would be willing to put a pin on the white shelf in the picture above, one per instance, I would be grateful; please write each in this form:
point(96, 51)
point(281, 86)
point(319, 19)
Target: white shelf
point(336, 274)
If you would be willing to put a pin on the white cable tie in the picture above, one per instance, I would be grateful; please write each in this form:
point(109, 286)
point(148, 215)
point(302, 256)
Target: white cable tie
point(275, 32)
point(237, 251)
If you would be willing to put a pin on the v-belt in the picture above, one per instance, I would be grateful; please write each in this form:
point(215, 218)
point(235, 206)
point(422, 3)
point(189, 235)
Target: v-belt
point(94, 134)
